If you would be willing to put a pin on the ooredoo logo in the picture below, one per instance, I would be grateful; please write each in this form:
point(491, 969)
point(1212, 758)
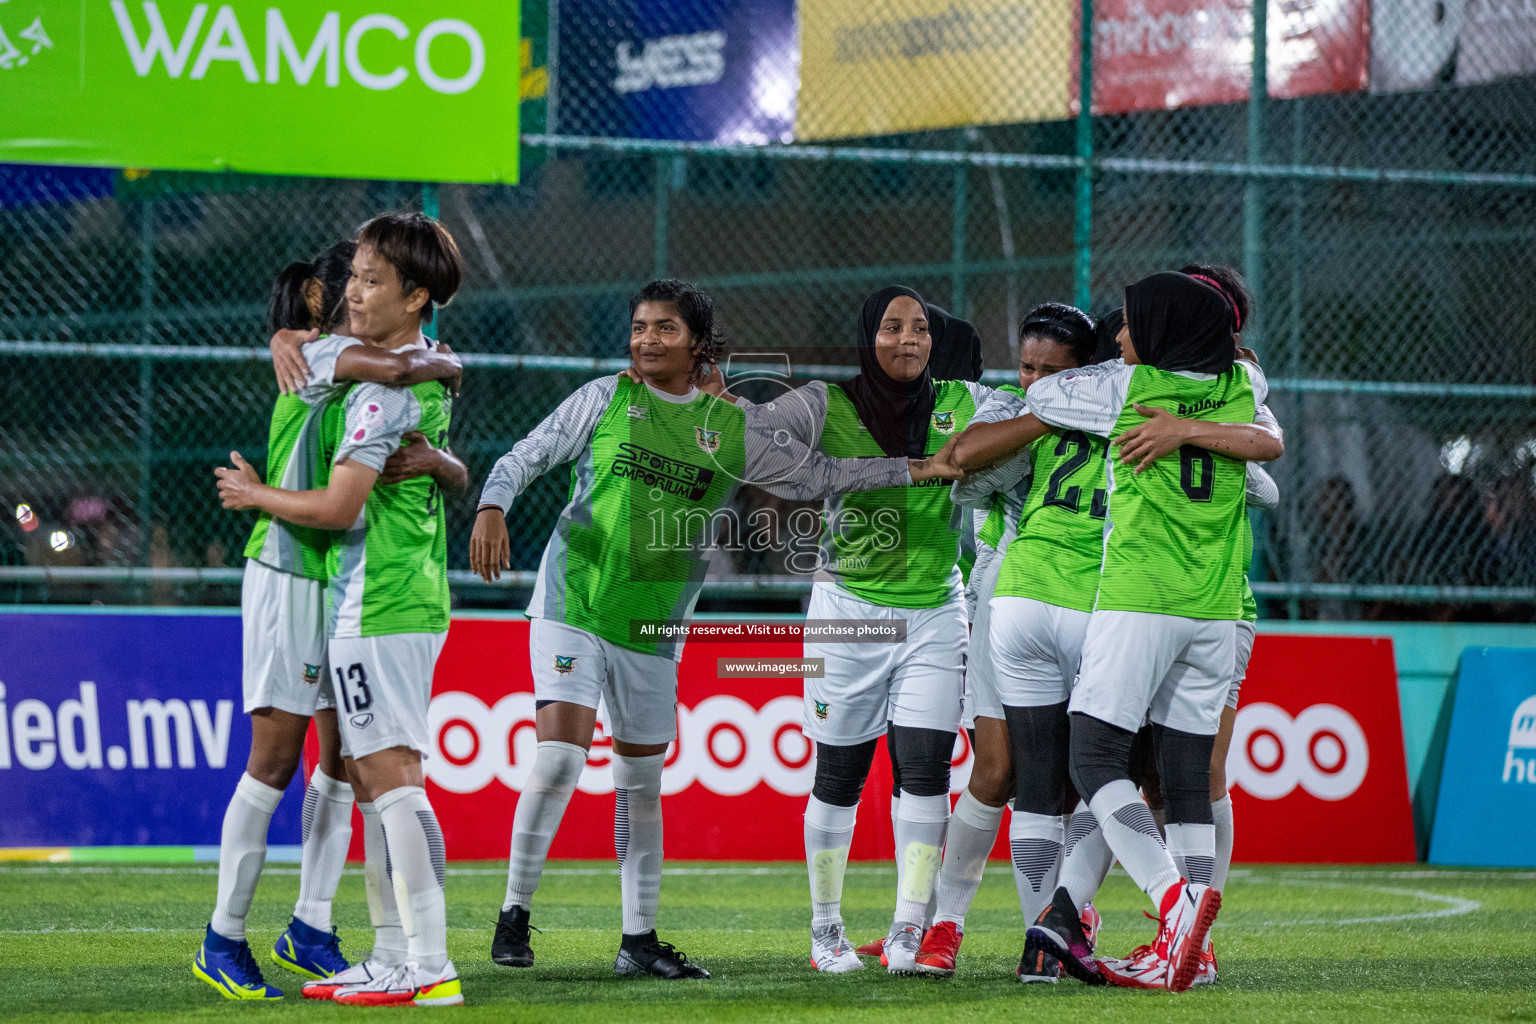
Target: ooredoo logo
point(1522, 737)
point(724, 744)
point(1323, 750)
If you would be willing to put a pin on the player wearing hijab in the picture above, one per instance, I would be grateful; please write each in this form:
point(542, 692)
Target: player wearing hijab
point(286, 677)
point(1052, 337)
point(1159, 639)
point(886, 555)
point(653, 451)
point(1089, 858)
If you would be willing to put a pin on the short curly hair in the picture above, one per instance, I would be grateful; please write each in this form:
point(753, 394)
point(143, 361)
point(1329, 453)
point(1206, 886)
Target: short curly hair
point(697, 310)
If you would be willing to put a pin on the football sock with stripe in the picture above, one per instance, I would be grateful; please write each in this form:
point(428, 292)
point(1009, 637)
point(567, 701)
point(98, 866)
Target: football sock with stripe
point(1193, 849)
point(920, 826)
point(972, 832)
point(1132, 835)
point(1221, 811)
point(418, 863)
point(327, 834)
point(556, 770)
point(828, 835)
point(1035, 842)
point(637, 837)
point(389, 944)
point(1088, 857)
point(242, 852)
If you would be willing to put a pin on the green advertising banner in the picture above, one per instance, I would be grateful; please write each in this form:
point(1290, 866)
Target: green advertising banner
point(414, 90)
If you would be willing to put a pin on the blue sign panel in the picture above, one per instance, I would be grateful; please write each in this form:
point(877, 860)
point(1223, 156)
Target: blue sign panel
point(700, 70)
point(1486, 814)
point(123, 730)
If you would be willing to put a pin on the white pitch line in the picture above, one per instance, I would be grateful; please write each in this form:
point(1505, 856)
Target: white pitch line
point(1453, 906)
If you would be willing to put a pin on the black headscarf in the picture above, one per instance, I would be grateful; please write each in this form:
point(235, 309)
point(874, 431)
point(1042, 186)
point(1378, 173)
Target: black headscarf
point(896, 414)
point(1107, 327)
point(1177, 323)
point(956, 346)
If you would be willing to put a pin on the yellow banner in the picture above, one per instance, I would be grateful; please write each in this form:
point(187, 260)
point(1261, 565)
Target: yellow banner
point(877, 67)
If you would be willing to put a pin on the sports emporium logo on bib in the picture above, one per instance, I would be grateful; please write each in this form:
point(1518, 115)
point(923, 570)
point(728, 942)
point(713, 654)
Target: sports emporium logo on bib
point(944, 422)
point(709, 440)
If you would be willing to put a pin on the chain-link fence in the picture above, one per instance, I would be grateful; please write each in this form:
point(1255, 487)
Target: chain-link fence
point(1381, 200)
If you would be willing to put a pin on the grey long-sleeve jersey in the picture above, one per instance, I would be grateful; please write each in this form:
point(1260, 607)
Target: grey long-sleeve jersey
point(776, 459)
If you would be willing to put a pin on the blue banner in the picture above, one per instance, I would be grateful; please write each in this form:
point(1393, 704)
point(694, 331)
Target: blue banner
point(700, 70)
point(1486, 814)
point(123, 730)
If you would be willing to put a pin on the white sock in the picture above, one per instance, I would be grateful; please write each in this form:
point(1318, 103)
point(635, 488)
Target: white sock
point(1036, 842)
point(389, 945)
point(972, 832)
point(242, 852)
point(828, 834)
point(418, 862)
point(556, 769)
point(327, 834)
point(1193, 849)
point(637, 837)
point(1221, 811)
point(920, 823)
point(1132, 835)
point(1088, 857)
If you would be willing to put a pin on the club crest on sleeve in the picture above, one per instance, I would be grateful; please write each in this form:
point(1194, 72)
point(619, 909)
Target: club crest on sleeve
point(311, 674)
point(821, 710)
point(944, 422)
point(565, 666)
point(709, 440)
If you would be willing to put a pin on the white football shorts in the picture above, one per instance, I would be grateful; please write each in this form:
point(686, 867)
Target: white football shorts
point(1246, 632)
point(639, 690)
point(1036, 648)
point(282, 639)
point(1174, 669)
point(384, 689)
point(918, 683)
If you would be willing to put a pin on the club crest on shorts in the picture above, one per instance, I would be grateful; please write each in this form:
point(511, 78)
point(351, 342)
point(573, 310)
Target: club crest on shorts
point(821, 710)
point(311, 674)
point(709, 440)
point(565, 666)
point(944, 422)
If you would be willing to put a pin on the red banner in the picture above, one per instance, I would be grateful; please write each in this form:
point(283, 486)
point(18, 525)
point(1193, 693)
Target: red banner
point(1316, 769)
point(1317, 764)
point(1163, 54)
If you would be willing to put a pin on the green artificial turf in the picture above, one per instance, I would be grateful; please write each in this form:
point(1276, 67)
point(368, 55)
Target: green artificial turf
point(85, 942)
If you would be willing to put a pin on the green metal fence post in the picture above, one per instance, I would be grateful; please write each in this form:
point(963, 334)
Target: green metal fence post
point(663, 167)
point(1082, 218)
point(432, 208)
point(1253, 190)
point(960, 184)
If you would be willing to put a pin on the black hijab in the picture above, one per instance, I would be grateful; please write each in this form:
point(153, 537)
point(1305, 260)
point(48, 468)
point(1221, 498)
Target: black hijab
point(1107, 327)
point(956, 347)
point(896, 414)
point(1177, 323)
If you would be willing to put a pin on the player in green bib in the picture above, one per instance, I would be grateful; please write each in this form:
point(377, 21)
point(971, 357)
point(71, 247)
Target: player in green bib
point(656, 460)
point(388, 603)
point(889, 555)
point(1052, 337)
point(285, 676)
point(1160, 639)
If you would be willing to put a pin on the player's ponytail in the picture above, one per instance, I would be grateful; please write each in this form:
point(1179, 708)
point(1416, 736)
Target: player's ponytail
point(287, 309)
point(1063, 324)
point(314, 294)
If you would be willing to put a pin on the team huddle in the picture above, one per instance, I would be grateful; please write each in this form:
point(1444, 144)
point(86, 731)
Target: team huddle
point(1093, 650)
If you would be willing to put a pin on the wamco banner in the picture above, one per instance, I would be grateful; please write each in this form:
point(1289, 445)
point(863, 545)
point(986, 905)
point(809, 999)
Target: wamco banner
point(398, 89)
